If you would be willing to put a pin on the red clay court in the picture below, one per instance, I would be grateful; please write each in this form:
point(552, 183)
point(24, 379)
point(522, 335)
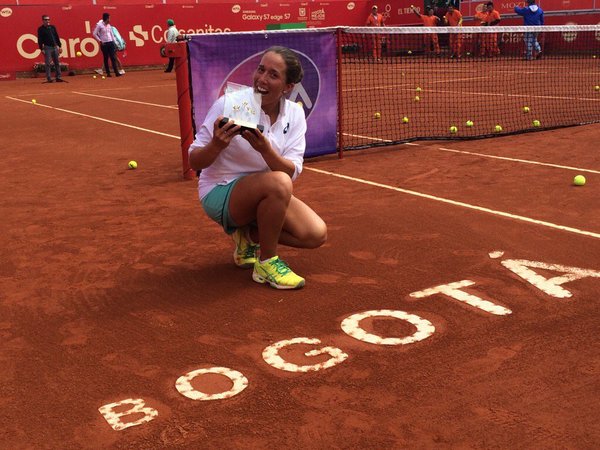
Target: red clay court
point(455, 304)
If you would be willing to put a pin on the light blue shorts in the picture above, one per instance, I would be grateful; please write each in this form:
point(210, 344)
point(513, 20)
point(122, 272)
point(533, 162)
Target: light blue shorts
point(216, 206)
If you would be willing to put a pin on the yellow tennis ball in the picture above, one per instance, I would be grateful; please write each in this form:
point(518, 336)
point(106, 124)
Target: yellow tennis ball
point(525, 109)
point(417, 98)
point(34, 101)
point(597, 88)
point(377, 115)
point(300, 103)
point(498, 128)
point(536, 123)
point(418, 89)
point(78, 53)
point(405, 119)
point(594, 56)
point(453, 129)
point(103, 77)
point(579, 180)
point(94, 77)
point(410, 52)
point(469, 123)
point(132, 165)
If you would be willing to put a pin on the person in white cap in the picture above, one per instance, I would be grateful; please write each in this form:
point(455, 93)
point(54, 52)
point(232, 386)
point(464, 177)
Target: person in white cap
point(376, 20)
point(172, 34)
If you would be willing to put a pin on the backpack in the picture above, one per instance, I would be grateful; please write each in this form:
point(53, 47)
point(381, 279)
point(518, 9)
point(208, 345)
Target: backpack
point(119, 41)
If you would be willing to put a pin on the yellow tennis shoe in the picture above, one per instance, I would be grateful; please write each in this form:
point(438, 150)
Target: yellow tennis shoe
point(245, 252)
point(277, 273)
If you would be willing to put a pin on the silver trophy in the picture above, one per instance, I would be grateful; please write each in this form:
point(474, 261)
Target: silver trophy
point(242, 105)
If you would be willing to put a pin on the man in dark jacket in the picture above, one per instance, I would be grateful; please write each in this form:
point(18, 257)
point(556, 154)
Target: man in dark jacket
point(50, 45)
point(532, 16)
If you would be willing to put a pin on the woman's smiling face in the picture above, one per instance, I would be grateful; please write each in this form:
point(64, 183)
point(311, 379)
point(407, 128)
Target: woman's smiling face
point(270, 79)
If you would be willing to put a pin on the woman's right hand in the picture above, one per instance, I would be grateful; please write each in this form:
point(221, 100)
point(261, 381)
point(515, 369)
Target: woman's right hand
point(222, 135)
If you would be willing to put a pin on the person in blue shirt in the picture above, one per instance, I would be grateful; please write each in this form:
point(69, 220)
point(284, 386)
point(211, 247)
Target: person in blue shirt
point(532, 16)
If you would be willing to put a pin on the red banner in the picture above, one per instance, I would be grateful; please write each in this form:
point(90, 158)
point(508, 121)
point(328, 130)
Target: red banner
point(145, 34)
point(507, 7)
point(144, 26)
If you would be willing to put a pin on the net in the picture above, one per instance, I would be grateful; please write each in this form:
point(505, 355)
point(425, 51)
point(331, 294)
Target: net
point(368, 86)
point(403, 84)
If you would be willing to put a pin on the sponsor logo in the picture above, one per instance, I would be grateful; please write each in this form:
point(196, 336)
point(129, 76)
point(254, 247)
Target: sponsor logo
point(305, 92)
point(138, 35)
point(351, 6)
point(319, 14)
point(569, 36)
point(511, 5)
point(236, 9)
point(27, 45)
point(4, 76)
point(5, 12)
point(302, 12)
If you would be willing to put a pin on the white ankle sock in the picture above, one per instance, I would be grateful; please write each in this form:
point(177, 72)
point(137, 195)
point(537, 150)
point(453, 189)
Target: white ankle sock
point(262, 261)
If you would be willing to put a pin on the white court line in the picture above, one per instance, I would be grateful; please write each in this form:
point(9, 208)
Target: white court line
point(376, 139)
point(499, 94)
point(526, 161)
point(550, 97)
point(147, 86)
point(371, 183)
point(97, 118)
point(94, 90)
point(367, 137)
point(124, 100)
point(461, 204)
point(452, 80)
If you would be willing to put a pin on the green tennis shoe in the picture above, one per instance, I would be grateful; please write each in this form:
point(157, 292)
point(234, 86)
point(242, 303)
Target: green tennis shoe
point(245, 253)
point(277, 273)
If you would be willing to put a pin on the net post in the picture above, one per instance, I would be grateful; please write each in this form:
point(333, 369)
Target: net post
point(338, 43)
point(179, 51)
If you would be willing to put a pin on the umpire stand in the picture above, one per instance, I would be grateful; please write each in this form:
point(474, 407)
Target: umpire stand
point(178, 50)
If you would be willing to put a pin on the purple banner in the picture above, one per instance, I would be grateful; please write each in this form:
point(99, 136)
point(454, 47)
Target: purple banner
point(216, 59)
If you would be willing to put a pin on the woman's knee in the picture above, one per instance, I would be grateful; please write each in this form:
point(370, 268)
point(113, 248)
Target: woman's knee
point(316, 235)
point(279, 184)
point(321, 236)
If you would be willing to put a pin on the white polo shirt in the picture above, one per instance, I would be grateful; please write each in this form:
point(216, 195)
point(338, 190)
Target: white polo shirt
point(286, 135)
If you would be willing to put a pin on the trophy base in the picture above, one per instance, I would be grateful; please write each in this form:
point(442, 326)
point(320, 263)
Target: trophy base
point(245, 125)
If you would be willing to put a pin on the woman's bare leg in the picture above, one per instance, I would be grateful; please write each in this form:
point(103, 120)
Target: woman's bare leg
point(281, 218)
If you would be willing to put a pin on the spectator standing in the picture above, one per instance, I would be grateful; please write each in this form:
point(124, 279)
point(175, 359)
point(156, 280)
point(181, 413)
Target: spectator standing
point(172, 34)
point(50, 45)
point(376, 20)
point(533, 15)
point(454, 18)
point(429, 20)
point(489, 17)
point(103, 34)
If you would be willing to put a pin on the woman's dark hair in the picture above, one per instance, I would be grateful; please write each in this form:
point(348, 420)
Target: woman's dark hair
point(294, 72)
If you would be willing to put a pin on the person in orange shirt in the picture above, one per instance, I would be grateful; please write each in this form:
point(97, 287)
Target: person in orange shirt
point(376, 20)
point(489, 41)
point(454, 18)
point(429, 21)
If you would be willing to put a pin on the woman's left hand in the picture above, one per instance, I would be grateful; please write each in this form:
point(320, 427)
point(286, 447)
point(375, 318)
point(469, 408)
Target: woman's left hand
point(257, 140)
